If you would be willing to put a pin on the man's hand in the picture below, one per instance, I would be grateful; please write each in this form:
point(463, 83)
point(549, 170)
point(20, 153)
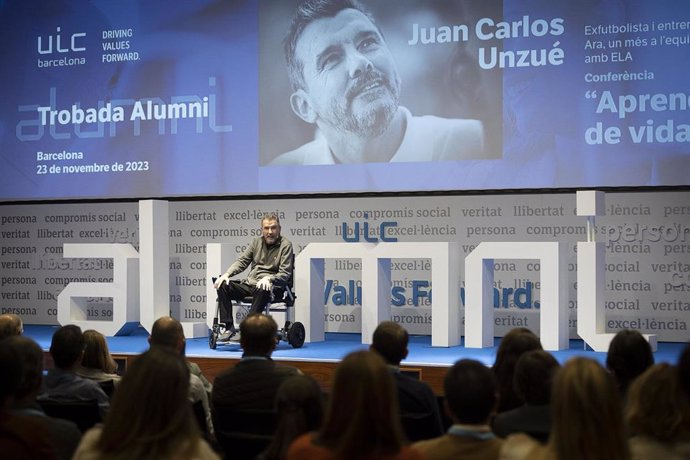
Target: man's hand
point(264, 284)
point(224, 278)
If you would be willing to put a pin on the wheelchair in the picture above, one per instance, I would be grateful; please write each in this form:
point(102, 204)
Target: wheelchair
point(282, 310)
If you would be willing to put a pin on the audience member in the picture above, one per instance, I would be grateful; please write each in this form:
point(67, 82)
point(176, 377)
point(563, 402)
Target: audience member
point(534, 373)
point(516, 342)
point(471, 400)
point(629, 355)
point(21, 437)
point(65, 435)
point(362, 419)
point(300, 407)
point(151, 417)
point(97, 364)
point(415, 398)
point(243, 396)
point(684, 369)
point(252, 383)
point(196, 370)
point(587, 418)
point(168, 332)
point(62, 384)
point(658, 415)
point(10, 324)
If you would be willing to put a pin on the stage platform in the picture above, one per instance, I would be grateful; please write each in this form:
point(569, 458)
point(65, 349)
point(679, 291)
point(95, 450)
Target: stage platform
point(319, 359)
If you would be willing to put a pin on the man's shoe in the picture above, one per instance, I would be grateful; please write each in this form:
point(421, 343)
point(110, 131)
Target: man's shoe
point(227, 335)
point(235, 337)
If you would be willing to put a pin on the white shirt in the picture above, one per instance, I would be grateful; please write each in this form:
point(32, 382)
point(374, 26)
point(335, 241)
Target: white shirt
point(426, 138)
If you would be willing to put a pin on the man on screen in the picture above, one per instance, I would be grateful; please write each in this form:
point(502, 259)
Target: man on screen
point(346, 82)
point(271, 259)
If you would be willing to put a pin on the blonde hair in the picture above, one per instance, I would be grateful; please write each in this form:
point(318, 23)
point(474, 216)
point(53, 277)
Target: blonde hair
point(96, 353)
point(587, 414)
point(150, 415)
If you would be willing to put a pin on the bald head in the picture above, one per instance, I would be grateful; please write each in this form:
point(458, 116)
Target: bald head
point(10, 324)
point(167, 332)
point(258, 335)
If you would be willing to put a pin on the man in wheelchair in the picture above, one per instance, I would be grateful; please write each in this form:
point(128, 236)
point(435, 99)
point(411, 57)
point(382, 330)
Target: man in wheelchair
point(271, 259)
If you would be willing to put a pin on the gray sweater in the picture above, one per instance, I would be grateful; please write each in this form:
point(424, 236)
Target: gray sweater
point(275, 261)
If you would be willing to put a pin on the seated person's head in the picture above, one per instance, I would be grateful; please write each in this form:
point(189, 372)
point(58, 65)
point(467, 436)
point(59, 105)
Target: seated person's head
point(629, 355)
point(156, 377)
point(301, 394)
point(580, 387)
point(11, 375)
point(657, 406)
point(362, 418)
point(150, 415)
point(516, 342)
point(168, 332)
point(471, 392)
point(10, 324)
point(67, 346)
point(534, 373)
point(586, 412)
point(31, 356)
point(258, 335)
point(96, 353)
point(300, 407)
point(390, 341)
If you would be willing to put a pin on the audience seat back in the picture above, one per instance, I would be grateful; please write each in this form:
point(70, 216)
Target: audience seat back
point(84, 413)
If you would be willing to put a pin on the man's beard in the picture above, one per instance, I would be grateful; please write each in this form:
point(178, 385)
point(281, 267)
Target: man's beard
point(374, 119)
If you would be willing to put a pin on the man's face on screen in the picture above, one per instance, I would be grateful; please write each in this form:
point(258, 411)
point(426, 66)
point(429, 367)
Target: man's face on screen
point(351, 80)
point(270, 230)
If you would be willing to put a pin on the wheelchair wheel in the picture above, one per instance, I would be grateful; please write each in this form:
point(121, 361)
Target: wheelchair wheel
point(296, 335)
point(212, 339)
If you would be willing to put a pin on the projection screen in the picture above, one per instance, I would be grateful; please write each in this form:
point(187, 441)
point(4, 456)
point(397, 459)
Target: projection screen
point(133, 99)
